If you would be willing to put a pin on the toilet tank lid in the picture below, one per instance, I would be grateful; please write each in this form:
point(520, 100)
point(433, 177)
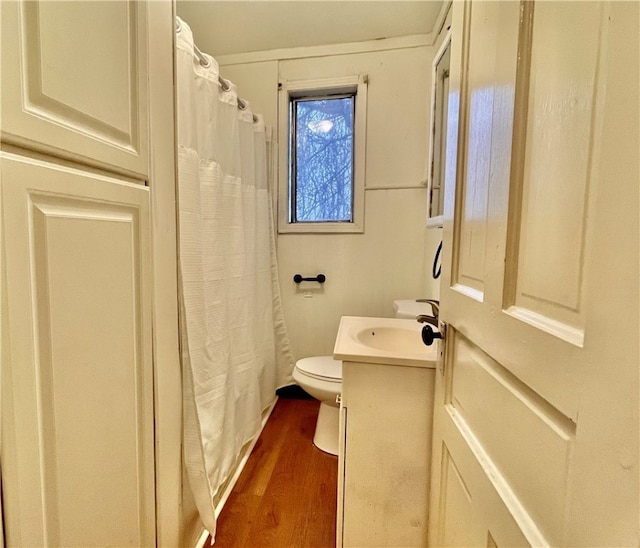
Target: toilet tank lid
point(324, 367)
point(409, 308)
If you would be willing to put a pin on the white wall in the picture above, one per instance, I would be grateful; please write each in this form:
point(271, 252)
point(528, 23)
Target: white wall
point(393, 258)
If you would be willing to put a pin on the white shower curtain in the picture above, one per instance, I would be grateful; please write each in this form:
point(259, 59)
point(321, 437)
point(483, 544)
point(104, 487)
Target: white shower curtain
point(235, 351)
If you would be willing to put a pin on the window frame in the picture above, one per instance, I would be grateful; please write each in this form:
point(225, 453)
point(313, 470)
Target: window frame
point(322, 88)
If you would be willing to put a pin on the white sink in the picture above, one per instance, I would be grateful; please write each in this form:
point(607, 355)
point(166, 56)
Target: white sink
point(391, 341)
point(396, 339)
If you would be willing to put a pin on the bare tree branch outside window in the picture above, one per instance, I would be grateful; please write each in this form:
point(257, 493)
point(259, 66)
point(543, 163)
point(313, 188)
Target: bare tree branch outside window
point(322, 174)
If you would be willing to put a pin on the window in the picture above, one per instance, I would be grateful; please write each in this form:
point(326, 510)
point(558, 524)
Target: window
point(322, 157)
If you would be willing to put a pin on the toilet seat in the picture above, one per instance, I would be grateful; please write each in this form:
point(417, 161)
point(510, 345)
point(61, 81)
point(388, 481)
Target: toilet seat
point(323, 368)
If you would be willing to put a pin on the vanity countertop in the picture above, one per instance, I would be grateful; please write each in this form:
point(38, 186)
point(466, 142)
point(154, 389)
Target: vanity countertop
point(389, 341)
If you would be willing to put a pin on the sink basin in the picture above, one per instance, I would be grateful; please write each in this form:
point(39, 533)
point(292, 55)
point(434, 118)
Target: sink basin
point(392, 339)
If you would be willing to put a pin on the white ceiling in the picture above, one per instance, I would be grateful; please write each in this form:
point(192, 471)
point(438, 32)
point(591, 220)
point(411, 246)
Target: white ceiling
point(236, 26)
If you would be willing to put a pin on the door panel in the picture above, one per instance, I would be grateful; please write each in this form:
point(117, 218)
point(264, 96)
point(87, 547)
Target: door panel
point(74, 81)
point(471, 222)
point(78, 393)
point(474, 507)
point(522, 429)
point(528, 441)
point(502, 325)
point(556, 113)
point(460, 527)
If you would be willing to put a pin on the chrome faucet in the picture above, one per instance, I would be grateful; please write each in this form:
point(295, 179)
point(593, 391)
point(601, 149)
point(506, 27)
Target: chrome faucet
point(435, 307)
point(423, 318)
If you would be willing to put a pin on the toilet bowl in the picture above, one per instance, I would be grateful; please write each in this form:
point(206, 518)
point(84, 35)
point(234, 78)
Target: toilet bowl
point(321, 377)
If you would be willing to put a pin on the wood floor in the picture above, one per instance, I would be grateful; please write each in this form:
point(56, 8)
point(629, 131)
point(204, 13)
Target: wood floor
point(286, 495)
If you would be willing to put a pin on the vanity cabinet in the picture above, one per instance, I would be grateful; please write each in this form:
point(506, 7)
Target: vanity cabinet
point(384, 455)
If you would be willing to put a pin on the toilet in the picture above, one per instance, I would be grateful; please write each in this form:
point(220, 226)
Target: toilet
point(321, 377)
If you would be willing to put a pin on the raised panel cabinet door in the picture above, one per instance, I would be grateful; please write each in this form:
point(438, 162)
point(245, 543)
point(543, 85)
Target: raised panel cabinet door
point(77, 378)
point(536, 413)
point(74, 81)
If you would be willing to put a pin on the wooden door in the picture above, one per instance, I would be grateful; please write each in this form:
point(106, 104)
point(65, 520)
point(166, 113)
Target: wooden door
point(536, 418)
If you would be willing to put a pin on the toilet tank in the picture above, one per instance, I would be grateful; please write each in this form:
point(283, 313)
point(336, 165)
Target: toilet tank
point(409, 308)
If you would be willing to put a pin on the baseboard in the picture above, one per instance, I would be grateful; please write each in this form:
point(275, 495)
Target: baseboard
point(241, 461)
point(202, 541)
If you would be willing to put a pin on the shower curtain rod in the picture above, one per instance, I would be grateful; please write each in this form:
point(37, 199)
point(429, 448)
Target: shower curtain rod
point(204, 62)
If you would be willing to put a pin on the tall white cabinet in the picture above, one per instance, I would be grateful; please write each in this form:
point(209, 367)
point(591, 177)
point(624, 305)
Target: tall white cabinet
point(77, 372)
